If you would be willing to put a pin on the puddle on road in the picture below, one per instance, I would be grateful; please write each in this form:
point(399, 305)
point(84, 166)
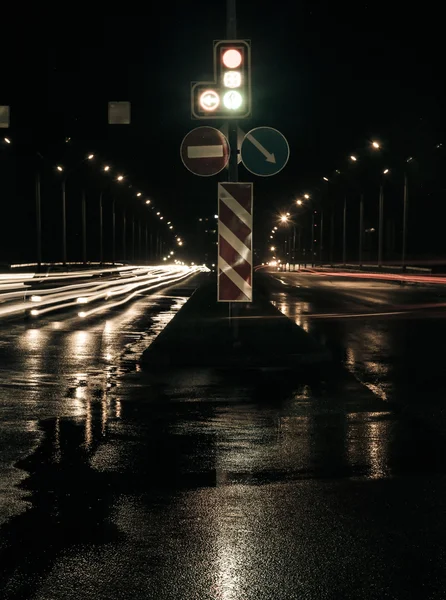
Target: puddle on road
point(57, 369)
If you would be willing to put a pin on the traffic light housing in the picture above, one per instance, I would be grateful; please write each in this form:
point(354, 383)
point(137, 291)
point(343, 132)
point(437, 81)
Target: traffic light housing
point(229, 95)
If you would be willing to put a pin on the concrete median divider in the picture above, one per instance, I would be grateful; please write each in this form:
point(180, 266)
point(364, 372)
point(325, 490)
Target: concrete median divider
point(257, 336)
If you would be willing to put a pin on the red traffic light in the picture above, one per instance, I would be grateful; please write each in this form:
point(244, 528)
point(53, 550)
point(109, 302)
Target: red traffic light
point(232, 58)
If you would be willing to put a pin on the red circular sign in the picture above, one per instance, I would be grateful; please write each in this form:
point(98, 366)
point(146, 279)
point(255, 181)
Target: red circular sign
point(205, 151)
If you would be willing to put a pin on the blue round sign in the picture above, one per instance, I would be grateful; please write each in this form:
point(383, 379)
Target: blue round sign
point(264, 151)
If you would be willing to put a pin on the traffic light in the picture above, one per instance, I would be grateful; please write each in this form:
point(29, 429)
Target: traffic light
point(229, 95)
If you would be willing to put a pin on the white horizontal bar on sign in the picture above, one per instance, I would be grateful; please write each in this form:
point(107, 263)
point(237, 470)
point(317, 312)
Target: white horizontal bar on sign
point(205, 151)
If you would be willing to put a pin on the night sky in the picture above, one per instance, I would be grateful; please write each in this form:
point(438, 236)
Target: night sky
point(330, 76)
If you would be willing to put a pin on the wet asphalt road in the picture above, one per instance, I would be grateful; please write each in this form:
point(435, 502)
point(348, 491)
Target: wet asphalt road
point(221, 486)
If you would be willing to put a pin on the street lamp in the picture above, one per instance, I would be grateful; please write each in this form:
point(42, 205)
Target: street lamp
point(120, 177)
point(7, 140)
point(147, 201)
point(376, 145)
point(353, 158)
point(273, 248)
point(59, 168)
point(106, 168)
point(307, 196)
point(90, 156)
point(299, 202)
point(284, 219)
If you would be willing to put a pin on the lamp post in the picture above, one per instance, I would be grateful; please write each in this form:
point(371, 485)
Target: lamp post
point(405, 200)
point(60, 168)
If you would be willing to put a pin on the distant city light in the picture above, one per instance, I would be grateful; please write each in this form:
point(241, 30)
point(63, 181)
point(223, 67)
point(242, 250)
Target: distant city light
point(376, 145)
point(120, 177)
point(353, 158)
point(7, 140)
point(299, 202)
point(106, 168)
point(139, 194)
point(59, 168)
point(325, 178)
point(90, 156)
point(147, 201)
point(385, 171)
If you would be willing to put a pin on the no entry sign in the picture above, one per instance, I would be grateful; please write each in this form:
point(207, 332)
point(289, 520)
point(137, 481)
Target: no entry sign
point(205, 151)
point(235, 242)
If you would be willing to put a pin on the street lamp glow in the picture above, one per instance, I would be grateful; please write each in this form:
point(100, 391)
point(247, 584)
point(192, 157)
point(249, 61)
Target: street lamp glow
point(284, 219)
point(161, 218)
point(171, 227)
point(307, 196)
point(164, 258)
point(215, 216)
point(120, 177)
point(376, 145)
point(353, 158)
point(273, 248)
point(385, 171)
point(288, 214)
point(139, 194)
point(147, 201)
point(90, 156)
point(169, 222)
point(299, 202)
point(275, 228)
point(34, 312)
point(59, 168)
point(180, 243)
point(106, 168)
point(232, 100)
point(7, 140)
point(171, 254)
point(158, 214)
point(325, 178)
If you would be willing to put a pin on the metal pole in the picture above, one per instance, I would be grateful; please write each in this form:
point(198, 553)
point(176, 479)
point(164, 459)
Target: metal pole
point(321, 237)
point(312, 238)
point(84, 228)
point(64, 224)
point(299, 247)
point(406, 197)
point(113, 232)
point(101, 241)
point(294, 247)
point(332, 236)
point(231, 34)
point(124, 253)
point(344, 234)
point(38, 221)
point(133, 238)
point(361, 227)
point(147, 245)
point(380, 226)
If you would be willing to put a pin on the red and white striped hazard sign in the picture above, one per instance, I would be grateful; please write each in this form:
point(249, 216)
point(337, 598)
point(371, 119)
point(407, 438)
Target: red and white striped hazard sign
point(235, 242)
